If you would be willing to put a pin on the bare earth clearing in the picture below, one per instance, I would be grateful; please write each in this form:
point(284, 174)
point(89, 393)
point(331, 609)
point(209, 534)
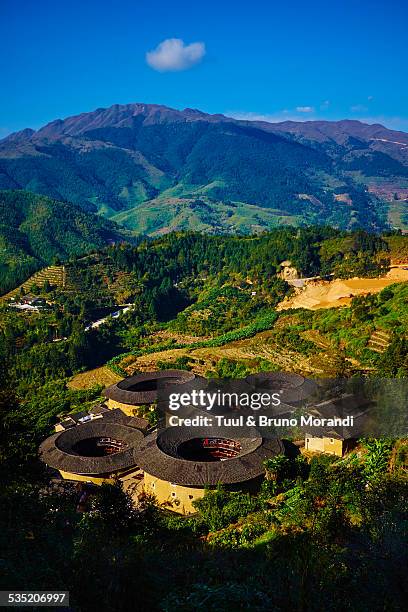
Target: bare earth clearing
point(330, 294)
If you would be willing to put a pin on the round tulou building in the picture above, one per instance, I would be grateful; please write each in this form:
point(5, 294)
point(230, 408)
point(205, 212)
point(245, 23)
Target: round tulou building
point(98, 450)
point(293, 389)
point(176, 465)
point(179, 463)
point(141, 389)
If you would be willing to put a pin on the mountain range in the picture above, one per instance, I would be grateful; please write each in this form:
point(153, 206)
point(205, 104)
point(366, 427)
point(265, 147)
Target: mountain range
point(154, 169)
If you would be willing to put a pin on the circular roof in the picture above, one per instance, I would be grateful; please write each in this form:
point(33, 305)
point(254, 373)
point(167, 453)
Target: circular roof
point(142, 388)
point(159, 456)
point(293, 388)
point(60, 450)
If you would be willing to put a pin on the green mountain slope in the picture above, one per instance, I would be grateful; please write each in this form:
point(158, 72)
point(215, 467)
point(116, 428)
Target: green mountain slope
point(35, 230)
point(145, 166)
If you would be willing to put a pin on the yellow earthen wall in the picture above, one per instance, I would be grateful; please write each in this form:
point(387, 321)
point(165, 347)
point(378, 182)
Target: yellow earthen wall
point(331, 446)
point(172, 496)
point(128, 409)
point(98, 480)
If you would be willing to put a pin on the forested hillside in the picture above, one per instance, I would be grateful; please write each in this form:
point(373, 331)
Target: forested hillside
point(36, 231)
point(199, 290)
point(166, 265)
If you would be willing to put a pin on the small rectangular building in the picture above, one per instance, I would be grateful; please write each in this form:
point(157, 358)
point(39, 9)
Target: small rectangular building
point(337, 440)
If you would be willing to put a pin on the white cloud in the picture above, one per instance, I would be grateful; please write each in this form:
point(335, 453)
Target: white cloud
point(325, 105)
point(305, 109)
point(173, 55)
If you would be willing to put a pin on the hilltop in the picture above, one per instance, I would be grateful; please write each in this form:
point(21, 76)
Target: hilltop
point(154, 169)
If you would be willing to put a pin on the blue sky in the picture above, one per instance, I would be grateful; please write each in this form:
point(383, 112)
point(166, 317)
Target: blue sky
point(277, 60)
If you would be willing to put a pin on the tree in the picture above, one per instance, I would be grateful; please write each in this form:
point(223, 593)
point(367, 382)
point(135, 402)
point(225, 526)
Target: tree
point(394, 361)
point(78, 348)
point(277, 468)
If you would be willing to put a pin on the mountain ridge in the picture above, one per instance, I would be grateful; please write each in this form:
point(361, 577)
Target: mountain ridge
point(130, 162)
point(115, 114)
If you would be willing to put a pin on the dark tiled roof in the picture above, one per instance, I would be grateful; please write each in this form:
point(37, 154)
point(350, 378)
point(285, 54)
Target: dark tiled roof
point(58, 452)
point(101, 411)
point(293, 388)
point(158, 456)
point(137, 390)
point(117, 416)
point(98, 409)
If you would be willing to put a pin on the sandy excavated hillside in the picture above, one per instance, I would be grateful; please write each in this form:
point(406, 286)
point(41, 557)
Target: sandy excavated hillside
point(329, 294)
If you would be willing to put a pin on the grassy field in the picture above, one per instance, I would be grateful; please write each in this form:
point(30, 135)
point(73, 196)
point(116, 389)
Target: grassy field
point(396, 212)
point(98, 376)
point(197, 214)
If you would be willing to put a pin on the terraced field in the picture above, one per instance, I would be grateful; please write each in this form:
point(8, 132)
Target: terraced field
point(98, 376)
point(55, 275)
point(262, 346)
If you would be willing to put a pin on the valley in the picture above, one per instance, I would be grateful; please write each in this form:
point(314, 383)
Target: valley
point(216, 305)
